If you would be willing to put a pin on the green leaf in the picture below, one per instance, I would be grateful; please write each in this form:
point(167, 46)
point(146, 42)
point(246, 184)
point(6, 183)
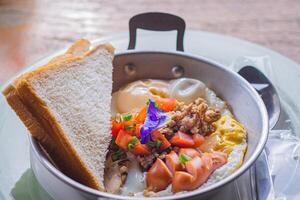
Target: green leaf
point(155, 144)
point(184, 158)
point(127, 116)
point(132, 143)
point(113, 141)
point(151, 144)
point(117, 155)
point(158, 144)
point(128, 127)
point(130, 146)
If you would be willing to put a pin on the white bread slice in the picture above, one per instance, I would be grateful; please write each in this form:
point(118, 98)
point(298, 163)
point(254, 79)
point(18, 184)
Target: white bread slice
point(66, 106)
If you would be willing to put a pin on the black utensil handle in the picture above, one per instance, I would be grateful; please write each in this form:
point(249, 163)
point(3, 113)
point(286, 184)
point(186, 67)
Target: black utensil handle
point(254, 76)
point(156, 21)
point(265, 89)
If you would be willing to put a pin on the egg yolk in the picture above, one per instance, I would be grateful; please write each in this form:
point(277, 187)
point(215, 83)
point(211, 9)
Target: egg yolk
point(228, 134)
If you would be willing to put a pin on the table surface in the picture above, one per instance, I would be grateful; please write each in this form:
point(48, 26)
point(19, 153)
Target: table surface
point(31, 29)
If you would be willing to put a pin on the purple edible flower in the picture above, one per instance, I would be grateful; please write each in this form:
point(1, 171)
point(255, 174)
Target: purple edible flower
point(154, 118)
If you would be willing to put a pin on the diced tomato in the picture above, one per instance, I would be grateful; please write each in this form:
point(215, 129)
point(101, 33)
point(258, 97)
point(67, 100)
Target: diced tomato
point(198, 140)
point(158, 177)
point(138, 130)
point(129, 127)
point(116, 127)
point(157, 135)
point(141, 116)
point(166, 104)
point(181, 139)
point(123, 138)
point(141, 149)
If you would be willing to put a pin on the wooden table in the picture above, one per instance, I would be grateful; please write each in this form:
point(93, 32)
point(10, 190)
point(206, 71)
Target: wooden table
point(31, 29)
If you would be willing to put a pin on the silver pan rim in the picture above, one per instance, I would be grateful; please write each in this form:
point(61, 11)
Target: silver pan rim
point(245, 166)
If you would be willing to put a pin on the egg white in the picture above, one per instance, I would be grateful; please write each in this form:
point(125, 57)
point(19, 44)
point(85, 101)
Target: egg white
point(234, 161)
point(180, 88)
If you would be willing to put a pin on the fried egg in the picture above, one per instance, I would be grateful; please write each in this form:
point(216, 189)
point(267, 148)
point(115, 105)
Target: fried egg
point(229, 139)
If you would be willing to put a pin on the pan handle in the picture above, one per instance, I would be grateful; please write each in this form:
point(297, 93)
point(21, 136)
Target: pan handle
point(156, 21)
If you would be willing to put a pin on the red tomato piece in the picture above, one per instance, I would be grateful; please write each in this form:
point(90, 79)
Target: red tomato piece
point(157, 135)
point(138, 130)
point(166, 104)
point(129, 125)
point(198, 140)
point(181, 139)
point(141, 116)
point(123, 138)
point(116, 127)
point(141, 149)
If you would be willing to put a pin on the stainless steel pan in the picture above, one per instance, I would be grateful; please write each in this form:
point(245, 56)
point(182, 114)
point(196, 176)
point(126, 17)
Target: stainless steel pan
point(133, 65)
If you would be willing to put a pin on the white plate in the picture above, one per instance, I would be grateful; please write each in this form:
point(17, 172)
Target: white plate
point(16, 178)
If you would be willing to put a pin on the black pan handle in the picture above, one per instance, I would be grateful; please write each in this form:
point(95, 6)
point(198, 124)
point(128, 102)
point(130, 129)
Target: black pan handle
point(156, 21)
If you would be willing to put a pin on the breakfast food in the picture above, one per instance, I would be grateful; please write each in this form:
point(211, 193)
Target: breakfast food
point(170, 137)
point(149, 138)
point(66, 106)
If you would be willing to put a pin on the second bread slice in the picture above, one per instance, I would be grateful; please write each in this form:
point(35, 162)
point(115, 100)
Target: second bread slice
point(66, 106)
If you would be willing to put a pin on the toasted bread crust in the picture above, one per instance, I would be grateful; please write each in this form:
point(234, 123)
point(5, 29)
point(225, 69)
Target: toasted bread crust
point(42, 124)
point(67, 160)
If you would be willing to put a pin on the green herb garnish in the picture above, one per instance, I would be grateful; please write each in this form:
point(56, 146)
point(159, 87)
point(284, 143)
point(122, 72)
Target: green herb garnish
point(118, 118)
point(151, 144)
point(156, 105)
point(113, 143)
point(155, 144)
point(127, 116)
point(117, 155)
point(128, 127)
point(132, 143)
point(184, 158)
point(158, 144)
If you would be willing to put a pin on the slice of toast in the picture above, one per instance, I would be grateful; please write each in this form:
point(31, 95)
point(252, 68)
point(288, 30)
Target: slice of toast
point(65, 105)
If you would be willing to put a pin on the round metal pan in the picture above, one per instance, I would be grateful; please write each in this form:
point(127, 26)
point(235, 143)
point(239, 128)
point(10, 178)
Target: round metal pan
point(132, 65)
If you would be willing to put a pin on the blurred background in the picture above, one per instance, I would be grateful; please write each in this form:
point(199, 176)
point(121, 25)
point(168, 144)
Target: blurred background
point(31, 29)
